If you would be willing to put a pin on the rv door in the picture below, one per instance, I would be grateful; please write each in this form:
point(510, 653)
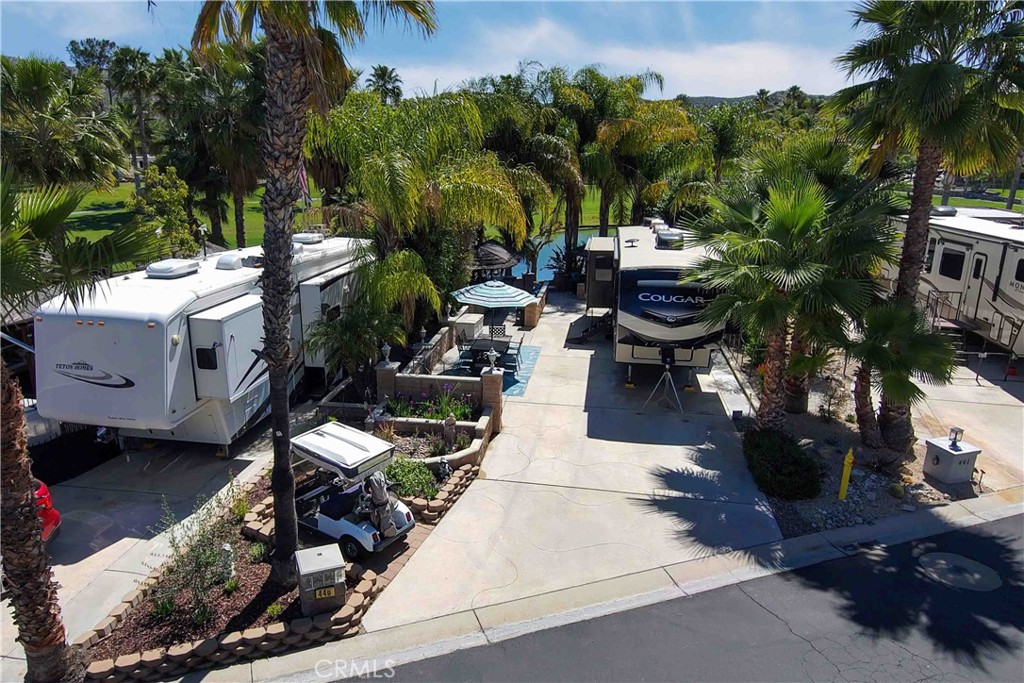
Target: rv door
point(975, 284)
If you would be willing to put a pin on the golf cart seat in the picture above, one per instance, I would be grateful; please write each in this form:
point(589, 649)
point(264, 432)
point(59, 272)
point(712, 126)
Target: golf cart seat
point(339, 505)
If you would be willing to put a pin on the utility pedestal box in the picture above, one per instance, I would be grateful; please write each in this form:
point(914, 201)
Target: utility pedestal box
point(950, 464)
point(321, 579)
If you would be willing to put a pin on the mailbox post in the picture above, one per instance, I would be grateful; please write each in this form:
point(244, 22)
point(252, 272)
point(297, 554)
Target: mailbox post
point(321, 579)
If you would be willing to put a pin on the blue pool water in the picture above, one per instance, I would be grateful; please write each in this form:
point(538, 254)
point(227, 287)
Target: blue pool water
point(545, 255)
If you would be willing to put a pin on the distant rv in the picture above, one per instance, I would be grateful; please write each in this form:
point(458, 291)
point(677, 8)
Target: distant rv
point(638, 275)
point(171, 352)
point(973, 274)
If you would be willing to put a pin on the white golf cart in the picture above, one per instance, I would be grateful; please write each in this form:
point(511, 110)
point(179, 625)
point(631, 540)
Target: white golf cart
point(347, 498)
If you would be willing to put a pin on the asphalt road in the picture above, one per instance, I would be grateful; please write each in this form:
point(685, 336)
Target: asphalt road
point(876, 616)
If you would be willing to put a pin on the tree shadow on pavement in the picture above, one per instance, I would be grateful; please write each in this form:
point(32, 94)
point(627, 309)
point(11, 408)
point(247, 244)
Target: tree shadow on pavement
point(891, 596)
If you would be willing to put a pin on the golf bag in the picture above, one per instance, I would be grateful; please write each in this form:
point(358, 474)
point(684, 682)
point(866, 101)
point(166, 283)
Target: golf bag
point(381, 509)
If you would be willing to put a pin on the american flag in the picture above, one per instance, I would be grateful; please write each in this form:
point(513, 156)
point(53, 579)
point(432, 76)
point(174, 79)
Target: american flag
point(307, 199)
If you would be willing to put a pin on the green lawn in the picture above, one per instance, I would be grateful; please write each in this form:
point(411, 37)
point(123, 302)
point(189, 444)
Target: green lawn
point(961, 201)
point(103, 211)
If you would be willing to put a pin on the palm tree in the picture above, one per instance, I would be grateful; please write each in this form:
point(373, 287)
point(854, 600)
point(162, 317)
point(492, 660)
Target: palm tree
point(41, 259)
point(770, 257)
point(232, 122)
point(726, 135)
point(893, 344)
point(304, 64)
point(1011, 195)
point(51, 126)
point(944, 79)
point(416, 162)
point(762, 99)
point(386, 82)
point(132, 73)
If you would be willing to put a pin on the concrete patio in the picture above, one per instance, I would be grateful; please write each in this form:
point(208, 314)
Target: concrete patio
point(579, 487)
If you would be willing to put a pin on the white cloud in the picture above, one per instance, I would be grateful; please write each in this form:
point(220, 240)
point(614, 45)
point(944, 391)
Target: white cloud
point(87, 19)
point(726, 70)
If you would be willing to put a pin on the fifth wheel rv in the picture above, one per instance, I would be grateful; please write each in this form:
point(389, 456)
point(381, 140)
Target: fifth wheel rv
point(973, 275)
point(172, 352)
point(637, 274)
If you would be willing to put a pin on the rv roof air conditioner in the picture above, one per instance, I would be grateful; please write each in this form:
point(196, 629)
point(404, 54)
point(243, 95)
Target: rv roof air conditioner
point(229, 262)
point(307, 238)
point(943, 210)
point(172, 268)
point(668, 238)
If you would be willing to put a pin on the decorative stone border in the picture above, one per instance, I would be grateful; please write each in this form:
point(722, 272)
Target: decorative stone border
point(431, 511)
point(228, 648)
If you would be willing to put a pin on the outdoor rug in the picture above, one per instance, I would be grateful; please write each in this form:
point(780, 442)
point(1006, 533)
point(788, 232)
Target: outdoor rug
point(515, 383)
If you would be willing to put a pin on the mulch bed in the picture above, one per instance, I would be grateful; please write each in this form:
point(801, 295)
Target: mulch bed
point(246, 607)
point(416, 446)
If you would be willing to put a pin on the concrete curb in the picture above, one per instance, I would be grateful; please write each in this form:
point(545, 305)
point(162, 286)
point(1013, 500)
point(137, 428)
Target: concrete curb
point(378, 650)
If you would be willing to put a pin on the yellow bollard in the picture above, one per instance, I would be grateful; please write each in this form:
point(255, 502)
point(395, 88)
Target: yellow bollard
point(847, 466)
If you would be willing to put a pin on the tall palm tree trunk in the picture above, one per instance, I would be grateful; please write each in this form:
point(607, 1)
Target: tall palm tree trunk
point(26, 564)
point(770, 413)
point(143, 142)
point(135, 171)
point(572, 225)
point(947, 187)
point(216, 224)
point(896, 426)
point(287, 99)
point(929, 157)
point(239, 199)
point(604, 211)
point(796, 386)
point(864, 407)
point(1011, 196)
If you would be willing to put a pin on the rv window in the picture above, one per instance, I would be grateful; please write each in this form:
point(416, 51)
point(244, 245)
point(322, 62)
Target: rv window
point(978, 263)
point(952, 264)
point(206, 359)
point(1019, 275)
point(930, 257)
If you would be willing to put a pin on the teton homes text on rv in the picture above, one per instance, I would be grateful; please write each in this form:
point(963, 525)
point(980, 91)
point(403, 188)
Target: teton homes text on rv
point(170, 352)
point(638, 275)
point(974, 273)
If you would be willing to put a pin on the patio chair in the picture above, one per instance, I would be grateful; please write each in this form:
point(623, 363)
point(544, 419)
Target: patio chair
point(462, 341)
point(514, 349)
point(498, 331)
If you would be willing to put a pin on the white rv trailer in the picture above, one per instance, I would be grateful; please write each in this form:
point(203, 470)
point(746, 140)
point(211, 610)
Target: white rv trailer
point(653, 311)
point(973, 274)
point(169, 352)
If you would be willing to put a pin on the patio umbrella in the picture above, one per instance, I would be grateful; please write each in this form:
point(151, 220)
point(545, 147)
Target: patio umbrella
point(494, 294)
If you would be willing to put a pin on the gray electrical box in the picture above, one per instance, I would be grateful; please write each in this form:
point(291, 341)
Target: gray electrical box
point(321, 579)
point(950, 464)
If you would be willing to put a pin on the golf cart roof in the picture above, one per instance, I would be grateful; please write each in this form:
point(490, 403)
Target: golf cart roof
point(349, 453)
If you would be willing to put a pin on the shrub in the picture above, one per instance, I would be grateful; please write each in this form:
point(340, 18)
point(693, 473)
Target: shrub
point(231, 585)
point(462, 440)
point(163, 607)
point(779, 466)
point(386, 431)
point(399, 406)
point(437, 446)
point(257, 552)
point(275, 610)
point(412, 477)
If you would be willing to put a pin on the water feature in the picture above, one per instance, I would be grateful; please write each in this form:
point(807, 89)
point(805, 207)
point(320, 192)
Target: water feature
point(546, 273)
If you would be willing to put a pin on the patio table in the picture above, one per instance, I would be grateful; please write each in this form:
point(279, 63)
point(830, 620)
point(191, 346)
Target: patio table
point(484, 344)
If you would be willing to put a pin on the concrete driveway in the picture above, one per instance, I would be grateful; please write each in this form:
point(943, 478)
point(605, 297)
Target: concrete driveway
point(579, 487)
point(107, 541)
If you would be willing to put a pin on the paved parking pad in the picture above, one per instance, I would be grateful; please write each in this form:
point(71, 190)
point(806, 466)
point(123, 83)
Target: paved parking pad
point(579, 487)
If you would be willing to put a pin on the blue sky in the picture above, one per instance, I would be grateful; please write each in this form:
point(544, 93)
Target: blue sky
point(702, 48)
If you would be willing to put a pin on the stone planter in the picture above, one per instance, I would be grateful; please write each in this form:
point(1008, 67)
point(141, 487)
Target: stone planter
point(431, 511)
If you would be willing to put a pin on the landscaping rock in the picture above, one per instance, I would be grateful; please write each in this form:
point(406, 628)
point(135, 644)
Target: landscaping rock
point(435, 505)
point(252, 529)
point(105, 627)
point(293, 638)
point(133, 598)
point(354, 570)
point(119, 611)
point(429, 516)
point(468, 468)
point(251, 636)
point(370, 575)
point(179, 653)
point(86, 640)
point(258, 509)
point(322, 622)
point(419, 504)
point(250, 517)
point(204, 648)
point(364, 587)
point(152, 658)
point(343, 616)
point(277, 631)
point(355, 601)
point(127, 662)
point(100, 669)
point(231, 640)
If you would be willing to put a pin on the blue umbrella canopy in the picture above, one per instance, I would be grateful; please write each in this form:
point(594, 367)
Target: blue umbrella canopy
point(494, 294)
